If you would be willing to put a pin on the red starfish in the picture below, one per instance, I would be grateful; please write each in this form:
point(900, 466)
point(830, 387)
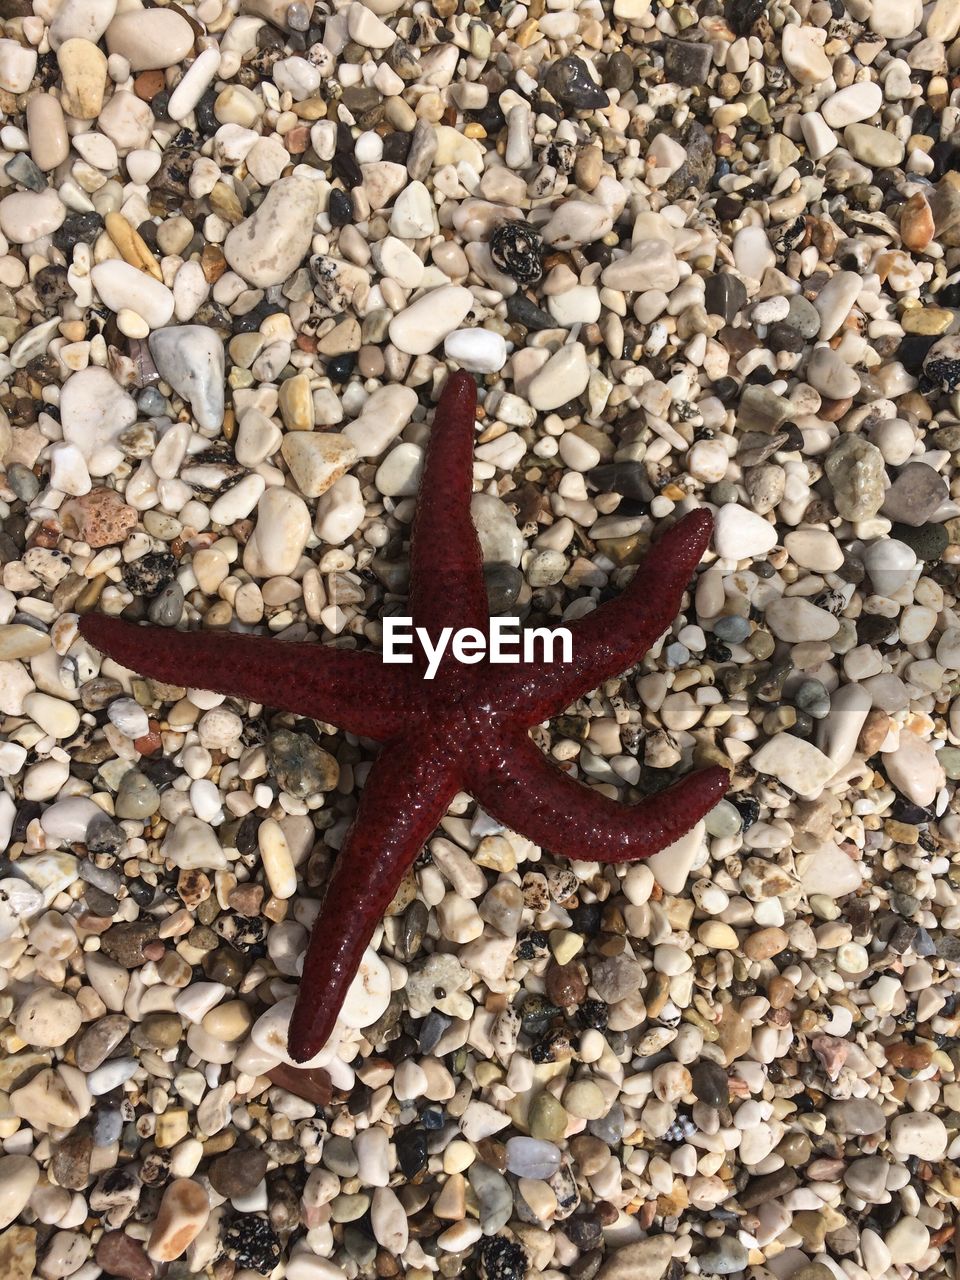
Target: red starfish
point(465, 730)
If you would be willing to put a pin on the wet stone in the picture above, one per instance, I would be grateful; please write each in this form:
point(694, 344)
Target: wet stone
point(166, 608)
point(725, 295)
point(618, 72)
point(504, 584)
point(70, 1164)
point(571, 84)
point(237, 1173)
point(768, 1187)
point(685, 62)
point(121, 1255)
point(411, 1144)
point(699, 166)
point(125, 942)
point(927, 541)
point(522, 311)
point(710, 1083)
point(137, 797)
point(300, 766)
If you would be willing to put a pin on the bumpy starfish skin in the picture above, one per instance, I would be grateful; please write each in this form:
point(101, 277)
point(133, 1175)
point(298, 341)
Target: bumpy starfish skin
point(466, 730)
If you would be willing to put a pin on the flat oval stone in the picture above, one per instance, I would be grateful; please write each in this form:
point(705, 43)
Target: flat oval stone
point(150, 39)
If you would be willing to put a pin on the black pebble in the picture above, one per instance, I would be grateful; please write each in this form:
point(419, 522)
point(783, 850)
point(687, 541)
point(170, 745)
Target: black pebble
point(725, 296)
point(346, 168)
point(396, 147)
point(77, 228)
point(618, 72)
point(411, 1151)
point(339, 208)
point(339, 368)
point(522, 311)
point(570, 83)
point(742, 14)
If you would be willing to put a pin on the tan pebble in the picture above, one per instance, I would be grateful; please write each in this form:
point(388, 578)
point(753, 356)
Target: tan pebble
point(18, 1177)
point(18, 1253)
point(875, 729)
point(230, 1021)
point(18, 640)
point(83, 68)
point(927, 321)
point(717, 935)
point(916, 222)
point(172, 1126)
point(133, 248)
point(734, 1034)
point(45, 1102)
point(780, 992)
point(590, 1154)
point(296, 403)
point(47, 1018)
point(47, 131)
point(765, 943)
point(181, 1217)
point(451, 1203)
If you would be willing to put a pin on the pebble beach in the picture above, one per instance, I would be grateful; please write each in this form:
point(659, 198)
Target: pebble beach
point(695, 254)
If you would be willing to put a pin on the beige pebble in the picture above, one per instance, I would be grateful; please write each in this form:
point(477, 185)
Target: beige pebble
point(229, 1022)
point(47, 131)
point(84, 70)
point(47, 1018)
point(18, 640)
point(150, 39)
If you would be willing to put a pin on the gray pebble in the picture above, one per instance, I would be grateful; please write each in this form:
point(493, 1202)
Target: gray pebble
point(22, 481)
point(813, 698)
point(137, 797)
point(166, 608)
point(915, 495)
point(724, 1256)
point(494, 1197)
point(732, 629)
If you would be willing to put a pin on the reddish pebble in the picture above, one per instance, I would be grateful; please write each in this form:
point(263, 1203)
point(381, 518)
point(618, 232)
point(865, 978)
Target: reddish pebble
point(148, 84)
point(313, 1085)
point(120, 1255)
point(565, 985)
point(100, 518)
point(297, 140)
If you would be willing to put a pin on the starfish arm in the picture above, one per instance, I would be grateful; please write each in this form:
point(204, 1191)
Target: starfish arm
point(352, 690)
point(616, 635)
point(403, 799)
point(446, 567)
point(524, 790)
